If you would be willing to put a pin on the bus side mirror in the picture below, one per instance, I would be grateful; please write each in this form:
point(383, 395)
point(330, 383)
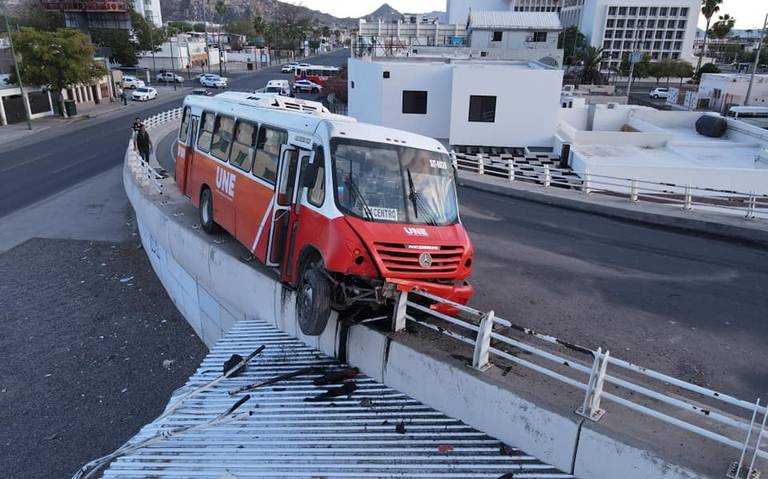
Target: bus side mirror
point(310, 176)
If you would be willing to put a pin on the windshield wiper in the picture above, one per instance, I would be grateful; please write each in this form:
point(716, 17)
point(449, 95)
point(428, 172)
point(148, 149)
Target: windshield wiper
point(353, 188)
point(416, 198)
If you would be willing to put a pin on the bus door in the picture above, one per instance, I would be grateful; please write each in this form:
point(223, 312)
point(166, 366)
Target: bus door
point(185, 182)
point(285, 192)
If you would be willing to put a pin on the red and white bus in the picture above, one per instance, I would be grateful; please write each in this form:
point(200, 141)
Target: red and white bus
point(315, 73)
point(348, 213)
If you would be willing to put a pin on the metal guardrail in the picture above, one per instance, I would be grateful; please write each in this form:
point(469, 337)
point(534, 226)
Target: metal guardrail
point(717, 416)
point(144, 173)
point(686, 197)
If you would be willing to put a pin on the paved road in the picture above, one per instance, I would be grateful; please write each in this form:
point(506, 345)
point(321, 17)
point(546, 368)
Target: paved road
point(62, 157)
point(692, 306)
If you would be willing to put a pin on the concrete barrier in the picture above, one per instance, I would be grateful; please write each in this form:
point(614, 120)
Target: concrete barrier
point(213, 287)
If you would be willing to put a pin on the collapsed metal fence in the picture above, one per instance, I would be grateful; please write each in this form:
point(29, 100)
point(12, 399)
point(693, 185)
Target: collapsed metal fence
point(685, 197)
point(714, 415)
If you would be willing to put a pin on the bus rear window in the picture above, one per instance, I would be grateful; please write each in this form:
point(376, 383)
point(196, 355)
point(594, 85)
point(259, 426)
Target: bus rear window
point(206, 131)
point(267, 153)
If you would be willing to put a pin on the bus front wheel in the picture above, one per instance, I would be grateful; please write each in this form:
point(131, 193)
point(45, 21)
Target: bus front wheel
point(206, 212)
point(313, 302)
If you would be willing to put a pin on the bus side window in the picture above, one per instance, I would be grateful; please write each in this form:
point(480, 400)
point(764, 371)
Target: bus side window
point(206, 131)
point(316, 194)
point(268, 152)
point(242, 149)
point(184, 130)
point(223, 131)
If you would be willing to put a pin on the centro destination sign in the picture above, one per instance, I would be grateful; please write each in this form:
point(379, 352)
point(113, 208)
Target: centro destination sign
point(86, 6)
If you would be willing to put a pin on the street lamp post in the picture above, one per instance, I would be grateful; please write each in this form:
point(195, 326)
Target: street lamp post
point(24, 97)
point(764, 32)
point(173, 63)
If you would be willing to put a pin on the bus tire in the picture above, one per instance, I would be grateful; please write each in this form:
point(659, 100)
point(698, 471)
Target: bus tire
point(206, 212)
point(313, 302)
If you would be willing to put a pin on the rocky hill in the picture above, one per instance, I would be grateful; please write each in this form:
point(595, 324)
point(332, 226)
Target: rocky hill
point(242, 9)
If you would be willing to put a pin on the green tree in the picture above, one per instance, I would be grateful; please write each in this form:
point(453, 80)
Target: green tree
point(57, 59)
point(589, 59)
point(682, 70)
point(571, 41)
point(708, 9)
point(148, 36)
point(259, 26)
point(723, 26)
point(124, 49)
point(199, 27)
point(180, 27)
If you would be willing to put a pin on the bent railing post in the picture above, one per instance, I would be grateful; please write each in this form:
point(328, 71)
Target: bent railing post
point(480, 358)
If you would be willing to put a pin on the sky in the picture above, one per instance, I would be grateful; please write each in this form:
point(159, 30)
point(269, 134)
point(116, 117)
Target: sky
point(748, 13)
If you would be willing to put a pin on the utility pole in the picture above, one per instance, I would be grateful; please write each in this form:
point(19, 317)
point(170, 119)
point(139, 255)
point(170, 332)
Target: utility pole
point(757, 60)
point(173, 63)
point(24, 97)
point(205, 30)
point(634, 57)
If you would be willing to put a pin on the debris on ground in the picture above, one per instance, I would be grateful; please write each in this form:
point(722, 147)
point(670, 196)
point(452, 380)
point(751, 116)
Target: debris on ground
point(345, 389)
point(400, 428)
point(335, 377)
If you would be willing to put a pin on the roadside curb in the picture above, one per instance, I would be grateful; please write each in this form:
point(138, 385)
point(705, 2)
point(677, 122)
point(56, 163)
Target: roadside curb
point(711, 224)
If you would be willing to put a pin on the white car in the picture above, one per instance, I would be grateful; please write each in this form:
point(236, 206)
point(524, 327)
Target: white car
point(288, 67)
point(307, 86)
point(659, 93)
point(144, 94)
point(130, 81)
point(215, 81)
point(168, 77)
point(281, 87)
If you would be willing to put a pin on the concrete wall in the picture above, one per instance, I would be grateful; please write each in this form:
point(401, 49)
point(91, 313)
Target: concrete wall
point(365, 91)
point(527, 105)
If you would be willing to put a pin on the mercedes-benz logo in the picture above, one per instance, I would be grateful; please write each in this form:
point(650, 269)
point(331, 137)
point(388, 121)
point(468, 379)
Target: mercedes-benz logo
point(425, 260)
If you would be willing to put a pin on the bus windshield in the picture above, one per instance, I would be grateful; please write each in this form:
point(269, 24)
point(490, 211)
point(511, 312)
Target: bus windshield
point(390, 183)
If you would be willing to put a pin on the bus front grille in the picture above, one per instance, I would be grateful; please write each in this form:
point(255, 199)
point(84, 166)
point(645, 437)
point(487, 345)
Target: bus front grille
point(407, 258)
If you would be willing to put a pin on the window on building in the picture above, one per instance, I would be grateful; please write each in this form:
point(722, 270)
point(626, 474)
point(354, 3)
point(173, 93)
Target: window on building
point(655, 56)
point(678, 45)
point(659, 34)
point(663, 11)
point(667, 45)
point(539, 37)
point(482, 108)
point(675, 55)
point(641, 24)
point(643, 11)
point(679, 35)
point(611, 10)
point(657, 45)
point(684, 12)
point(633, 10)
point(716, 93)
point(206, 130)
point(631, 23)
point(385, 75)
point(615, 55)
point(673, 12)
point(617, 45)
point(681, 24)
point(244, 145)
point(661, 24)
point(622, 10)
point(223, 132)
point(316, 194)
point(609, 34)
point(651, 23)
point(414, 102)
point(627, 45)
point(610, 23)
point(619, 34)
point(665, 56)
point(653, 11)
point(497, 36)
point(619, 23)
point(606, 44)
point(648, 34)
point(268, 152)
point(668, 35)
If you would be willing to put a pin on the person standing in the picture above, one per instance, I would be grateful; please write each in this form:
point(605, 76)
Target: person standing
point(122, 95)
point(142, 143)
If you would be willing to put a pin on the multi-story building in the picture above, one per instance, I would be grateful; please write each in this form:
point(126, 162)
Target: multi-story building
point(665, 29)
point(458, 10)
point(150, 10)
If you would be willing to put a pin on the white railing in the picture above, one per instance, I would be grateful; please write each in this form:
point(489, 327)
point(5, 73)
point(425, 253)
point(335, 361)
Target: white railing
point(685, 197)
point(144, 173)
point(720, 417)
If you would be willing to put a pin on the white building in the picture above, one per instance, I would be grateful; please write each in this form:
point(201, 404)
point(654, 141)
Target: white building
point(646, 144)
point(461, 101)
point(719, 91)
point(662, 28)
point(179, 52)
point(150, 10)
point(516, 35)
point(458, 10)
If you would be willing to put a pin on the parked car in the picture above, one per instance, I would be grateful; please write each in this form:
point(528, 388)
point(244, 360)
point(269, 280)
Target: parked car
point(169, 77)
point(659, 93)
point(281, 87)
point(288, 67)
point(211, 80)
point(132, 82)
point(307, 86)
point(201, 91)
point(144, 94)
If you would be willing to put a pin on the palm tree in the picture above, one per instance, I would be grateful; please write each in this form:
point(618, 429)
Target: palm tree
point(723, 26)
point(590, 58)
point(221, 9)
point(708, 9)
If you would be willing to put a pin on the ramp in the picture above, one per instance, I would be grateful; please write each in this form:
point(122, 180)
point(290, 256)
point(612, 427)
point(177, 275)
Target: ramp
point(285, 430)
